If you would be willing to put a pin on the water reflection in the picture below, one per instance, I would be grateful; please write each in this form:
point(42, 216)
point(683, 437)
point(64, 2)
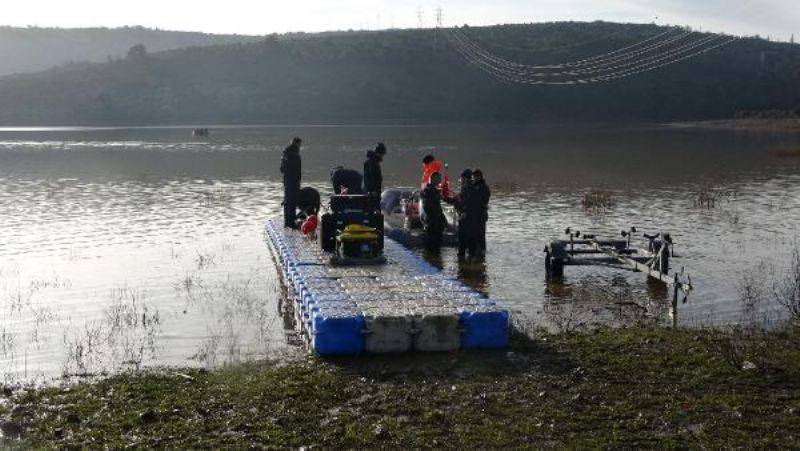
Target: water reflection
point(474, 274)
point(590, 302)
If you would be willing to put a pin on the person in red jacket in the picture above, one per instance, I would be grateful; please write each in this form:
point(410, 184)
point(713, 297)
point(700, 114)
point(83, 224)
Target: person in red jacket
point(430, 165)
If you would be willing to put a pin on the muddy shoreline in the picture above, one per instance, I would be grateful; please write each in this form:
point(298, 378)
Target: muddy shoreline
point(634, 387)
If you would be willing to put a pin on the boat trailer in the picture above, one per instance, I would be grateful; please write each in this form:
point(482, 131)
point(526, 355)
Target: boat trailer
point(588, 250)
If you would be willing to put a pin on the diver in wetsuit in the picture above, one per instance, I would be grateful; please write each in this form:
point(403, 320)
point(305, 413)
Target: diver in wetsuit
point(434, 220)
point(348, 180)
point(291, 167)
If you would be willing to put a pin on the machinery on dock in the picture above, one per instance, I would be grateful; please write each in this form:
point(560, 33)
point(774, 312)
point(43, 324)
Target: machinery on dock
point(587, 250)
point(353, 230)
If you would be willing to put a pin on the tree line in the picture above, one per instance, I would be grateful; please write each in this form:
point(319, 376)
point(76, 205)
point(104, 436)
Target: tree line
point(400, 76)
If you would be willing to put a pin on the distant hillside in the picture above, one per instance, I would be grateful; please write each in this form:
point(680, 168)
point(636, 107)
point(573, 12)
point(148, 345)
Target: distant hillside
point(35, 49)
point(401, 76)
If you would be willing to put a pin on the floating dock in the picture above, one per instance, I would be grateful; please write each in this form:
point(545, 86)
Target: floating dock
point(403, 305)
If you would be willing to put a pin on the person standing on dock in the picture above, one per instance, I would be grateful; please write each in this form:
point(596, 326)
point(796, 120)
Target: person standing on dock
point(479, 206)
point(291, 168)
point(373, 175)
point(434, 219)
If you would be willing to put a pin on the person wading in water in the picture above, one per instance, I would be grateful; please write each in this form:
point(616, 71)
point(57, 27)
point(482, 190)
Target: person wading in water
point(434, 219)
point(478, 207)
point(467, 226)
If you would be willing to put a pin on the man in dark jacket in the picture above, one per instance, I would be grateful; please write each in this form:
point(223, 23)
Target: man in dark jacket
point(348, 180)
point(373, 176)
point(479, 205)
point(434, 219)
point(466, 225)
point(291, 168)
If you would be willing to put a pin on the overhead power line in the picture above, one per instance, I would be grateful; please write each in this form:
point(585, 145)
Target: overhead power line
point(607, 65)
point(650, 54)
point(638, 48)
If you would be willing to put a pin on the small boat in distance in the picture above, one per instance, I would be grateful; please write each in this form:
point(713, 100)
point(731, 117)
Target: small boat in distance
point(200, 132)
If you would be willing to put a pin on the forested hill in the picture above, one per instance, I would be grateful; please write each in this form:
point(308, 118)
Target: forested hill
point(401, 76)
point(34, 49)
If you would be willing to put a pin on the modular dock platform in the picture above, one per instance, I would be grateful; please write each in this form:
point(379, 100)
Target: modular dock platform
point(403, 305)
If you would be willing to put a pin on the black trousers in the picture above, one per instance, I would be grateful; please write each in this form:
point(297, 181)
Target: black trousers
point(467, 238)
point(481, 238)
point(290, 194)
point(433, 237)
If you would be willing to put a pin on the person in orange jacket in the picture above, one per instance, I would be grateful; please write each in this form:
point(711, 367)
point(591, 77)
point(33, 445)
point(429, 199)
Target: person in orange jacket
point(430, 165)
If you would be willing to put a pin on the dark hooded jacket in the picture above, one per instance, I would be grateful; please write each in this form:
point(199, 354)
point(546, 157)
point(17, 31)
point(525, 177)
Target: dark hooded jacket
point(432, 208)
point(291, 166)
point(476, 204)
point(373, 176)
point(346, 178)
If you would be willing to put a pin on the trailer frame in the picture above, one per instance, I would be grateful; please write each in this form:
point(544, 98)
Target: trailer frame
point(588, 250)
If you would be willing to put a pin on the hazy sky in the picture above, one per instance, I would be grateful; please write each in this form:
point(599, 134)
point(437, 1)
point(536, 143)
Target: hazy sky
point(778, 18)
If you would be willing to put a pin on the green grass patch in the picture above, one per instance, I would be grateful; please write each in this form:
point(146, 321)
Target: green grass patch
point(639, 387)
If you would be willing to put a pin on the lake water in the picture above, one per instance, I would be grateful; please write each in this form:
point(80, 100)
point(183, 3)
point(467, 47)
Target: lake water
point(132, 247)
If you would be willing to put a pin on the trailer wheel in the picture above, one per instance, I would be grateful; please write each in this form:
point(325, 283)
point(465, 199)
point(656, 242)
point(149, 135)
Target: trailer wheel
point(554, 259)
point(554, 266)
point(663, 264)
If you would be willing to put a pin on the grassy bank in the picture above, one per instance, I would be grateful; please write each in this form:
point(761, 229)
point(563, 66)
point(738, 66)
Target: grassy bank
point(630, 387)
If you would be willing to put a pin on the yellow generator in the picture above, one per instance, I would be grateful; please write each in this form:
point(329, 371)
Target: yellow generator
point(359, 244)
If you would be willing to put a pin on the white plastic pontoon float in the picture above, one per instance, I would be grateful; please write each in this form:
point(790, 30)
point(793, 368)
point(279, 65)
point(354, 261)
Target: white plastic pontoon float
point(403, 305)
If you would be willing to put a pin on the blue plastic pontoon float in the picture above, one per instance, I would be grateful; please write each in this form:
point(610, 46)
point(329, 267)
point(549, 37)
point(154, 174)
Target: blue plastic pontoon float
point(404, 305)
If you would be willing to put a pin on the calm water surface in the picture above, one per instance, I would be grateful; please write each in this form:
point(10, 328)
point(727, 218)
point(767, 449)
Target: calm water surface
point(122, 248)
